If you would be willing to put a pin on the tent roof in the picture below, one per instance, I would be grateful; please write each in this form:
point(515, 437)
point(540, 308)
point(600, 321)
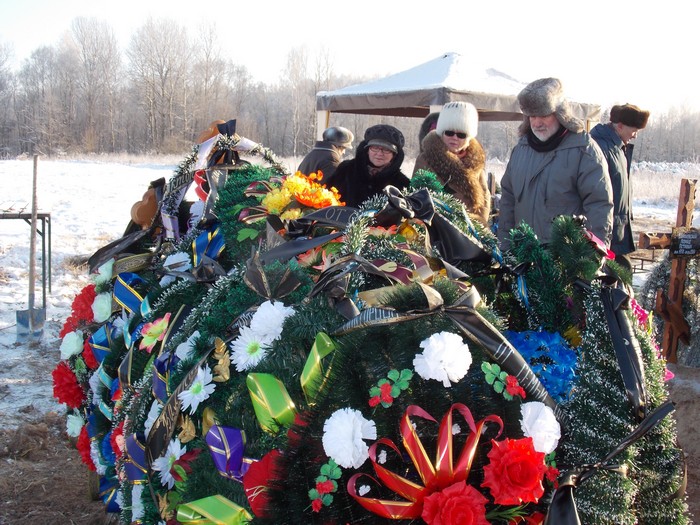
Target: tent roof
point(447, 78)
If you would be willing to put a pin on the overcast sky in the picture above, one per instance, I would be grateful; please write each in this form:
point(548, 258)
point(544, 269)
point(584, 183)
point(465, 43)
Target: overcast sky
point(605, 52)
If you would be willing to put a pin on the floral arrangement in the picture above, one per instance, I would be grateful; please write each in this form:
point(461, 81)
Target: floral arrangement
point(381, 385)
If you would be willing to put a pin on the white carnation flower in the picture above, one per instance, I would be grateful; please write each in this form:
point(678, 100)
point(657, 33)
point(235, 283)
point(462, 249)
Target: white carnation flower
point(343, 435)
point(104, 273)
point(247, 350)
point(96, 457)
point(539, 423)
point(72, 344)
point(74, 424)
point(175, 262)
point(164, 464)
point(153, 414)
point(183, 349)
point(201, 388)
point(102, 307)
point(445, 358)
point(268, 320)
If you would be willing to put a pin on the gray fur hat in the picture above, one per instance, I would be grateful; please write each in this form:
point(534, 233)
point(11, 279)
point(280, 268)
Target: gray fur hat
point(545, 96)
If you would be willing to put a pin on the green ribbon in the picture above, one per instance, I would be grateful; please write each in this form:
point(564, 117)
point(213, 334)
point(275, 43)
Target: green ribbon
point(313, 376)
point(272, 404)
point(214, 510)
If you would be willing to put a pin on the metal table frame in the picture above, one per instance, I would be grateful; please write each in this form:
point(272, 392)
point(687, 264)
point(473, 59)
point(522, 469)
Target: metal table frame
point(45, 234)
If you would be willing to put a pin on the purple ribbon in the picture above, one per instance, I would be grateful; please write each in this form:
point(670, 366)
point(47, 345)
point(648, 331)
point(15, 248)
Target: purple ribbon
point(135, 462)
point(227, 445)
point(162, 366)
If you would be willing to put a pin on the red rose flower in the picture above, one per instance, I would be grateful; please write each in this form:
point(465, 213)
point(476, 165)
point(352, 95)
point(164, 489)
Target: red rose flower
point(536, 519)
point(513, 388)
point(82, 304)
point(458, 504)
point(184, 462)
point(65, 386)
point(515, 472)
point(385, 394)
point(256, 479)
point(552, 475)
point(89, 357)
point(316, 505)
point(115, 438)
point(83, 446)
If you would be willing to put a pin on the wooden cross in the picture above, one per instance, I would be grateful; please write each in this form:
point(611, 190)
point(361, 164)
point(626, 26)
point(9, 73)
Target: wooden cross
point(669, 306)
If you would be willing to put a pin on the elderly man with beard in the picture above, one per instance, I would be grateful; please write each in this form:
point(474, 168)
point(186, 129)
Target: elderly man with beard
point(556, 168)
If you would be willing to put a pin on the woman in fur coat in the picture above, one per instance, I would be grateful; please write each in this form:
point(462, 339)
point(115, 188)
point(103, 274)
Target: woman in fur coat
point(454, 155)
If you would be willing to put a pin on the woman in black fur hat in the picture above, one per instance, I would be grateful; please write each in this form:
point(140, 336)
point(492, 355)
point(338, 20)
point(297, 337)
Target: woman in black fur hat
point(377, 164)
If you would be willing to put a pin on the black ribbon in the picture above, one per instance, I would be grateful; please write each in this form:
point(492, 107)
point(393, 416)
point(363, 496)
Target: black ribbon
point(627, 350)
point(115, 248)
point(450, 241)
point(562, 510)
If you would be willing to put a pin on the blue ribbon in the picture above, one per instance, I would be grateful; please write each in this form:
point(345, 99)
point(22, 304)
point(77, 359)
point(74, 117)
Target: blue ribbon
point(100, 342)
point(108, 493)
point(135, 458)
point(209, 243)
point(162, 366)
point(124, 293)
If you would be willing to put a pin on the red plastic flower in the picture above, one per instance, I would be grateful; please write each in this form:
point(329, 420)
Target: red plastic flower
point(154, 332)
point(515, 472)
point(536, 519)
point(65, 386)
point(316, 505)
point(83, 446)
point(82, 304)
point(325, 487)
point(552, 476)
point(458, 504)
point(184, 462)
point(116, 440)
point(513, 388)
point(70, 325)
point(88, 356)
point(255, 482)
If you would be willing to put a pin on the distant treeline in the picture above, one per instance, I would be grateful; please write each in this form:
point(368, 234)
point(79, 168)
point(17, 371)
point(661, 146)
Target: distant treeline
point(85, 95)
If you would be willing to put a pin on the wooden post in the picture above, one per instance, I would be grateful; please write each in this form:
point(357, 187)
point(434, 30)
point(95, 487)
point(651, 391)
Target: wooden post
point(684, 218)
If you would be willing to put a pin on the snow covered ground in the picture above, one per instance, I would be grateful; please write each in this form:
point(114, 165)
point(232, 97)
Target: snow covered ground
point(89, 203)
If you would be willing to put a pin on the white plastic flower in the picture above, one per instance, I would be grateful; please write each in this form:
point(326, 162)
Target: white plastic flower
point(183, 349)
point(165, 463)
point(176, 262)
point(268, 320)
point(201, 388)
point(381, 458)
point(456, 429)
point(136, 503)
point(343, 435)
point(445, 358)
point(153, 414)
point(102, 307)
point(247, 350)
point(96, 457)
point(364, 489)
point(539, 423)
point(96, 386)
point(74, 424)
point(104, 273)
point(72, 344)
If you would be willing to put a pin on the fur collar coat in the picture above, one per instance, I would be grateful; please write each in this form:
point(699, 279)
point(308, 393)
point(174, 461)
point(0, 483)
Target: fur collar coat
point(463, 176)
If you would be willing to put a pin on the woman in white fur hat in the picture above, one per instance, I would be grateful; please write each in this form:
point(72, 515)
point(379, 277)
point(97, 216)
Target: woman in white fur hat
point(454, 155)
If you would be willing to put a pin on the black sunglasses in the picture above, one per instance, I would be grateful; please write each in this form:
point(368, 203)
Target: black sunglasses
point(453, 133)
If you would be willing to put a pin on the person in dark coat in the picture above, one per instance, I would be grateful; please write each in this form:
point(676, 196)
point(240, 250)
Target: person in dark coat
point(429, 124)
point(377, 164)
point(614, 140)
point(327, 153)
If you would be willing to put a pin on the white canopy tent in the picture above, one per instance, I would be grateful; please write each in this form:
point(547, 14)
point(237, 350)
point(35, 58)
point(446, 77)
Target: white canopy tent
point(425, 88)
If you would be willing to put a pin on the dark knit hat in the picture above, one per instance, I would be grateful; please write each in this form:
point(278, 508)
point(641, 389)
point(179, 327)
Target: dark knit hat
point(385, 136)
point(629, 115)
point(545, 96)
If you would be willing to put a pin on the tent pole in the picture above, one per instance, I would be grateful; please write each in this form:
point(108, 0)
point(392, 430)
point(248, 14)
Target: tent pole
point(323, 118)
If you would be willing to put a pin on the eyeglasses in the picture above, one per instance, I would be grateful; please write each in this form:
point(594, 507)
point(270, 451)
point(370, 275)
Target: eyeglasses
point(453, 133)
point(379, 149)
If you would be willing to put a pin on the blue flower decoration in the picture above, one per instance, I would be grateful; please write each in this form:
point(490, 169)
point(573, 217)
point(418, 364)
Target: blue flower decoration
point(551, 358)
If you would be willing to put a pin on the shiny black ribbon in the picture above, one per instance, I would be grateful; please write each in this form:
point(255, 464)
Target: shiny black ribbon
point(562, 510)
point(444, 236)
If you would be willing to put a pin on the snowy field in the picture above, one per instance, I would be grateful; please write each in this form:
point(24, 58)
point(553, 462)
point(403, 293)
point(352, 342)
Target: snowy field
point(89, 203)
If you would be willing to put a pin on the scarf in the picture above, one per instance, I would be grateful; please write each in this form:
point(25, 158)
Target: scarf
point(547, 145)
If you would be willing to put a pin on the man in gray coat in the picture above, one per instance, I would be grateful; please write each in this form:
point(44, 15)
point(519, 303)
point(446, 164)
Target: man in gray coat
point(614, 141)
point(554, 169)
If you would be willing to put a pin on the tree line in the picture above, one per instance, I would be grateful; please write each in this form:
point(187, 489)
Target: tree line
point(85, 95)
